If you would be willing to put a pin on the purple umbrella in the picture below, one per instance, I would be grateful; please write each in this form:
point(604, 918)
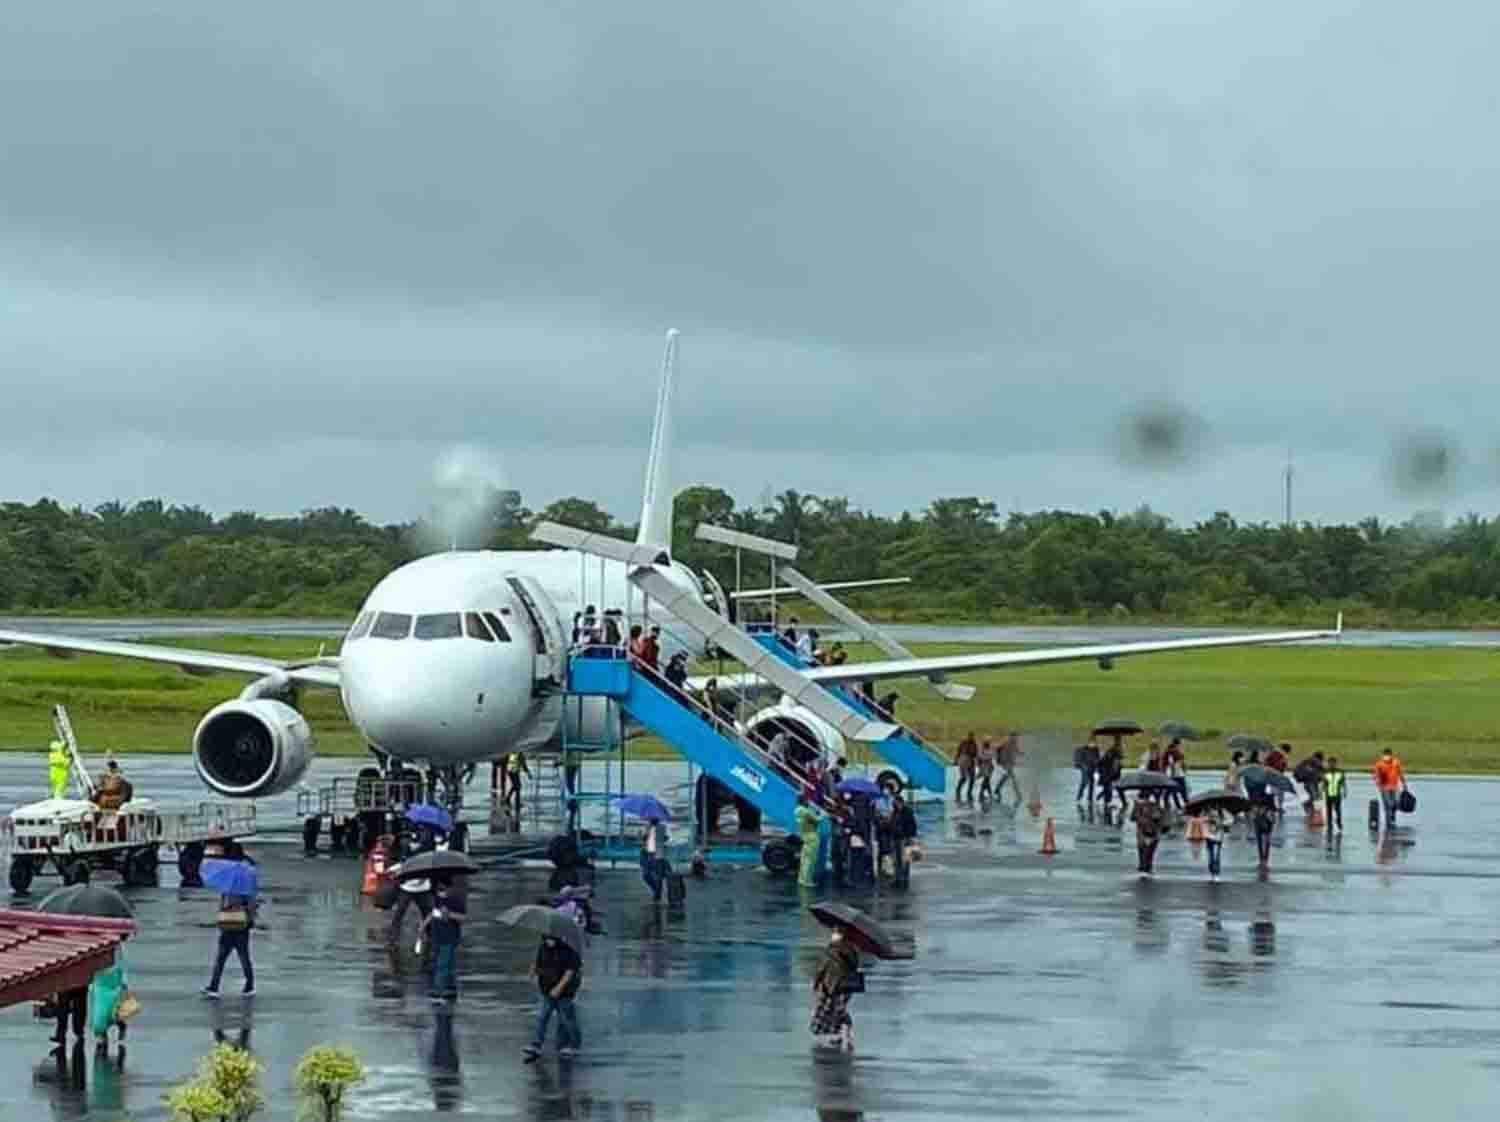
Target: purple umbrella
point(643, 806)
point(859, 785)
point(426, 814)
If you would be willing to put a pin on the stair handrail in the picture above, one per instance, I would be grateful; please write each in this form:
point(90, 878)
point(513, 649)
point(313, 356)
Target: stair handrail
point(889, 715)
point(788, 769)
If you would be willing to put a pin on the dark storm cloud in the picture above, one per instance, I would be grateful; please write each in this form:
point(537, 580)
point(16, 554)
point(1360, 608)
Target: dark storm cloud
point(286, 254)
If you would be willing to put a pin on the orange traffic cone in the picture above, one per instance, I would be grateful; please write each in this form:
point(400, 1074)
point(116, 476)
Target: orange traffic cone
point(1195, 829)
point(374, 869)
point(1049, 839)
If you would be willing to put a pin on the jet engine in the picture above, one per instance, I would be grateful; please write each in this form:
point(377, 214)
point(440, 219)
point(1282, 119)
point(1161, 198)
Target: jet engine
point(246, 749)
point(810, 735)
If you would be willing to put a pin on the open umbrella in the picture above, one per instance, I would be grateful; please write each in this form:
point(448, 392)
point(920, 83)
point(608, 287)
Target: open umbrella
point(1117, 726)
point(547, 922)
point(427, 814)
point(643, 806)
point(1258, 776)
point(1244, 742)
point(86, 900)
point(859, 785)
point(1180, 729)
point(232, 878)
point(1145, 781)
point(1227, 801)
point(860, 929)
point(435, 862)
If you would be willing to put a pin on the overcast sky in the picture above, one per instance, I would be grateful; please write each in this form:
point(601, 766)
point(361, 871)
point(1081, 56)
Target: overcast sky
point(283, 255)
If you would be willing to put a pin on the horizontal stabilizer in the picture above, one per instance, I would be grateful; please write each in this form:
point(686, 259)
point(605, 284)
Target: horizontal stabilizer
point(599, 545)
point(741, 540)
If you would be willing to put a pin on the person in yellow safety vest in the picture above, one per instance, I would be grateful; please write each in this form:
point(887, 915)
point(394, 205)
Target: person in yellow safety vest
point(1333, 795)
point(807, 828)
point(58, 766)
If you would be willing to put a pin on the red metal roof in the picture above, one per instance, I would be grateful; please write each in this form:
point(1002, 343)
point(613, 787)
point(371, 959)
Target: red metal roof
point(42, 954)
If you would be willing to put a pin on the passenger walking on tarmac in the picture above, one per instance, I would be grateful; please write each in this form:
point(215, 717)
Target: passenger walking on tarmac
point(1279, 759)
point(835, 981)
point(1263, 819)
point(1111, 767)
point(1174, 763)
point(58, 768)
point(236, 919)
point(1215, 827)
point(654, 865)
point(1232, 773)
point(989, 756)
point(72, 1005)
point(106, 992)
point(1333, 795)
point(443, 928)
point(807, 830)
point(1309, 773)
point(966, 756)
point(1086, 760)
point(559, 974)
point(1150, 819)
point(1008, 757)
point(1390, 781)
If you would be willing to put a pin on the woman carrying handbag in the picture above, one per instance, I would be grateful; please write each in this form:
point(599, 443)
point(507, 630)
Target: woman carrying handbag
point(235, 920)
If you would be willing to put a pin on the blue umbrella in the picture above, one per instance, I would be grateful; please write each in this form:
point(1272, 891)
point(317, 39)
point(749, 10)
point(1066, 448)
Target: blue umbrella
point(643, 806)
point(232, 878)
point(859, 785)
point(425, 814)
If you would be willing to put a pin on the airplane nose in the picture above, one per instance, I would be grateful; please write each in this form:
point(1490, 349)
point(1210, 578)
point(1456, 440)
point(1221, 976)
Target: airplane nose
point(424, 706)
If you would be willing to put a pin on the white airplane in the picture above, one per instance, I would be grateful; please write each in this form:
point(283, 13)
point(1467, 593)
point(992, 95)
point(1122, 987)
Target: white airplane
point(456, 658)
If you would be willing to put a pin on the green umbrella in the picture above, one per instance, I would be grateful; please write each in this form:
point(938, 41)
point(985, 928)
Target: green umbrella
point(1117, 726)
point(1180, 729)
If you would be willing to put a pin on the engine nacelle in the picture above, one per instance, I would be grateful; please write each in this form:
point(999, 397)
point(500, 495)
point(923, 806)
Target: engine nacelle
point(248, 749)
point(810, 734)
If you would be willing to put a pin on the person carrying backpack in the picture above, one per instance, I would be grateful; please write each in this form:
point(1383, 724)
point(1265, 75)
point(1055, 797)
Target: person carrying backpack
point(1150, 819)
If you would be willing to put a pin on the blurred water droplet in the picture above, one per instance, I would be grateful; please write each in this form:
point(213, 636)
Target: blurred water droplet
point(1160, 435)
point(1423, 462)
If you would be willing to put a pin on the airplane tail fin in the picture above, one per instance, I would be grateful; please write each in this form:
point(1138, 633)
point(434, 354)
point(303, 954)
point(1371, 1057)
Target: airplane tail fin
point(656, 502)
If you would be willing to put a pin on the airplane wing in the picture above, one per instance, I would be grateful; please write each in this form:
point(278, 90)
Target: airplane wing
point(1002, 660)
point(322, 672)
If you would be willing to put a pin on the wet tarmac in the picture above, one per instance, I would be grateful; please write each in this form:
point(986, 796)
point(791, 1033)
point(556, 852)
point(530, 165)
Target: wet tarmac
point(1358, 983)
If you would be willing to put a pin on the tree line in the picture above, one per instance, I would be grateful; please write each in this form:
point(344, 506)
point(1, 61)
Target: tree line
point(966, 559)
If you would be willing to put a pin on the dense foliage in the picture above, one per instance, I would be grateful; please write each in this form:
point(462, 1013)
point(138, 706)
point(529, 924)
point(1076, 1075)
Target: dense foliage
point(966, 560)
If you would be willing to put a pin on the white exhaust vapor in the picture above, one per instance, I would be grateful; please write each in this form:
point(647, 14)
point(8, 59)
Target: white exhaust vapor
point(656, 503)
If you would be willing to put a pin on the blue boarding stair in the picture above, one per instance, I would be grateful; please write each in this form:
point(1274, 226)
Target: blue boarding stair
point(714, 745)
point(922, 763)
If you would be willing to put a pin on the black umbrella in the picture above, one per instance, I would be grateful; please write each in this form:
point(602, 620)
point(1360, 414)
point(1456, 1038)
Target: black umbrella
point(1117, 726)
point(860, 929)
point(547, 922)
point(1258, 775)
point(1145, 781)
point(1227, 801)
point(86, 900)
point(1180, 729)
point(437, 862)
point(1244, 742)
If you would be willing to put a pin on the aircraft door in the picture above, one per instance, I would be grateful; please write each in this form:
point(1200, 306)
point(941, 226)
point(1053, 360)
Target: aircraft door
point(546, 631)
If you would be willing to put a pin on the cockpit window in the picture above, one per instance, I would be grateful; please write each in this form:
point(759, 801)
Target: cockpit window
point(444, 625)
point(475, 628)
point(391, 625)
point(361, 627)
point(497, 627)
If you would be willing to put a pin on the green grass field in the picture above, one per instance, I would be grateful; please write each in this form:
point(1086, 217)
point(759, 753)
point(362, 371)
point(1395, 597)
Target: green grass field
point(1439, 708)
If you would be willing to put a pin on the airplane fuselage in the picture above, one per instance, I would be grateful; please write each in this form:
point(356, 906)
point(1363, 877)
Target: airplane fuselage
point(446, 659)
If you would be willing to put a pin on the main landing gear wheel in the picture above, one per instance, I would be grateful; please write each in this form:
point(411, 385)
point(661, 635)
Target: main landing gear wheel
point(22, 871)
point(76, 872)
point(781, 856)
